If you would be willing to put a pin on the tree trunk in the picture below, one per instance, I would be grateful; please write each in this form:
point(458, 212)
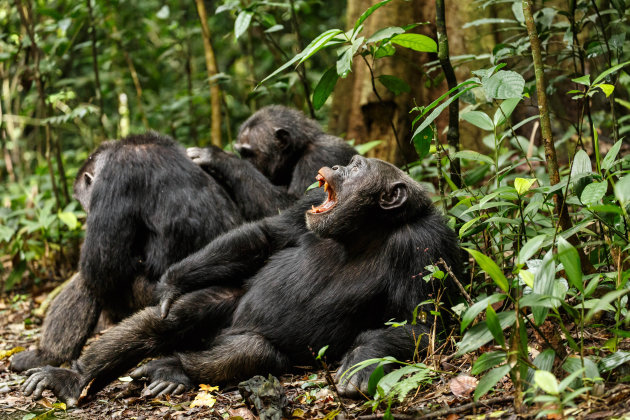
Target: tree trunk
point(356, 110)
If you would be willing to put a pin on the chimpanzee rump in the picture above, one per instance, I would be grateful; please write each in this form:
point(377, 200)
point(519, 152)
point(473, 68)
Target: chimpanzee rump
point(334, 277)
point(148, 206)
point(281, 149)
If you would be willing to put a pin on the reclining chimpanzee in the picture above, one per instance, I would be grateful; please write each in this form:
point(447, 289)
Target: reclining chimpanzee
point(333, 277)
point(281, 149)
point(148, 207)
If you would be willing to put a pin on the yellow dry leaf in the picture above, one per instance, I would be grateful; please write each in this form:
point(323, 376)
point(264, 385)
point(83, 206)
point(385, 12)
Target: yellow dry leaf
point(203, 399)
point(7, 353)
point(208, 388)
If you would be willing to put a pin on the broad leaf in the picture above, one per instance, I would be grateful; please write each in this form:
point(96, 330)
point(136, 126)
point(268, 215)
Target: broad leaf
point(610, 157)
point(479, 119)
point(367, 13)
point(492, 321)
point(325, 87)
point(472, 312)
point(505, 110)
point(384, 33)
point(242, 23)
point(522, 185)
point(570, 259)
point(422, 142)
point(490, 268)
point(622, 189)
point(504, 85)
point(394, 84)
point(594, 192)
point(546, 381)
point(415, 42)
point(480, 335)
point(530, 248)
point(489, 380)
point(487, 361)
point(543, 286)
point(470, 155)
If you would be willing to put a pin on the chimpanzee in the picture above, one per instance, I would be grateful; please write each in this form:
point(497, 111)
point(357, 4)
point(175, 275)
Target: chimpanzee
point(148, 206)
point(333, 277)
point(281, 149)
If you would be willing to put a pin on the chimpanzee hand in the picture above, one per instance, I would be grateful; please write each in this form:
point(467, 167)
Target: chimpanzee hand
point(66, 384)
point(166, 376)
point(356, 385)
point(204, 157)
point(167, 293)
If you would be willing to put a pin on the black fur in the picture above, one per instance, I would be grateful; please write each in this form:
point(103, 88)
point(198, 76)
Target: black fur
point(281, 151)
point(148, 207)
point(330, 278)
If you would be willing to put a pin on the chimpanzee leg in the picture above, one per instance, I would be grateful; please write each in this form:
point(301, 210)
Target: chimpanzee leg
point(194, 316)
point(231, 356)
point(69, 322)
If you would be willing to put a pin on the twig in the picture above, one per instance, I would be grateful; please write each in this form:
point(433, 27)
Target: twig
point(462, 408)
point(459, 285)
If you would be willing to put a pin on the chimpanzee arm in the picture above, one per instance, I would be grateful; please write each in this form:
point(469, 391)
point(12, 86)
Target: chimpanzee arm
point(399, 342)
point(252, 192)
point(235, 256)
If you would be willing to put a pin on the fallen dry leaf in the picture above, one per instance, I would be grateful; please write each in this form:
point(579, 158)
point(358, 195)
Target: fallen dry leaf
point(463, 385)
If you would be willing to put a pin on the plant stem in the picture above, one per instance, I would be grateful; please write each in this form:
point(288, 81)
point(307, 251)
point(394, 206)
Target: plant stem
point(97, 80)
point(211, 67)
point(452, 135)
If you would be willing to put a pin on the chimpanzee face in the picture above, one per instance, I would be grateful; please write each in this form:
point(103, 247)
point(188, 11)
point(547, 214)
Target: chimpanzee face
point(359, 195)
point(87, 176)
point(265, 146)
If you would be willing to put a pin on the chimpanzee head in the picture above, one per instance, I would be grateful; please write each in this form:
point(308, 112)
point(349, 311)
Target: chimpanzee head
point(89, 174)
point(274, 138)
point(365, 196)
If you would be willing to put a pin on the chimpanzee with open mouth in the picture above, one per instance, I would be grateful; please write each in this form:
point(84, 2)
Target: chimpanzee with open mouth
point(315, 275)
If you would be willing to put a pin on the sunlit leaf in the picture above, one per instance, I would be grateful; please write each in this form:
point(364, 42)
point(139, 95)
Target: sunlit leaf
point(479, 119)
point(522, 185)
point(546, 381)
point(325, 87)
point(491, 268)
point(416, 42)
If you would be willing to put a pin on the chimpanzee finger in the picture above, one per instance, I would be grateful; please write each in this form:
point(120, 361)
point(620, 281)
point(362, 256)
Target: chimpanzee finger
point(165, 305)
point(168, 390)
point(179, 390)
point(140, 372)
point(35, 385)
point(155, 388)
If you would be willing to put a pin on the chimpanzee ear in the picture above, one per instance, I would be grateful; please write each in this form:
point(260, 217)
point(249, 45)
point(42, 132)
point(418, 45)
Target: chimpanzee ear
point(283, 136)
point(394, 197)
point(88, 178)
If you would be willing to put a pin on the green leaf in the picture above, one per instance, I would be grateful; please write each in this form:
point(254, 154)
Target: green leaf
point(394, 84)
point(479, 119)
point(363, 148)
point(570, 259)
point(487, 361)
point(489, 380)
point(490, 268)
point(242, 23)
point(376, 376)
point(530, 248)
point(505, 110)
point(467, 225)
point(543, 286)
point(384, 33)
point(318, 43)
point(325, 87)
point(616, 359)
point(584, 80)
point(367, 13)
point(522, 185)
point(622, 189)
point(527, 277)
point(470, 155)
point(606, 88)
point(416, 42)
point(480, 335)
point(604, 302)
point(610, 157)
point(610, 70)
point(344, 63)
point(422, 142)
point(429, 120)
point(69, 219)
point(321, 352)
point(594, 192)
point(494, 326)
point(504, 85)
point(546, 381)
point(472, 312)
point(385, 50)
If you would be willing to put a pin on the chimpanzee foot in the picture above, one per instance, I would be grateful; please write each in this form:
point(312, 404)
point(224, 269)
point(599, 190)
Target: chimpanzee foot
point(64, 383)
point(30, 359)
point(166, 376)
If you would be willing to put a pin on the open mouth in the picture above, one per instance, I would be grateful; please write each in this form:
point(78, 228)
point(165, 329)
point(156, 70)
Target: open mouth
point(331, 200)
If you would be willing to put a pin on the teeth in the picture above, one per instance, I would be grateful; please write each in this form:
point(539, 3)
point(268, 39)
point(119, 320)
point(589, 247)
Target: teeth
point(325, 186)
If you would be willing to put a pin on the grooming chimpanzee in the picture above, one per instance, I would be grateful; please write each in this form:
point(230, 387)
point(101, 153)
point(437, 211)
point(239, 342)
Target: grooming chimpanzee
point(333, 277)
point(281, 149)
point(148, 207)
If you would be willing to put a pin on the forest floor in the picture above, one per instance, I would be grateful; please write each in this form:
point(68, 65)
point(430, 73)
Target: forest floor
point(307, 393)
